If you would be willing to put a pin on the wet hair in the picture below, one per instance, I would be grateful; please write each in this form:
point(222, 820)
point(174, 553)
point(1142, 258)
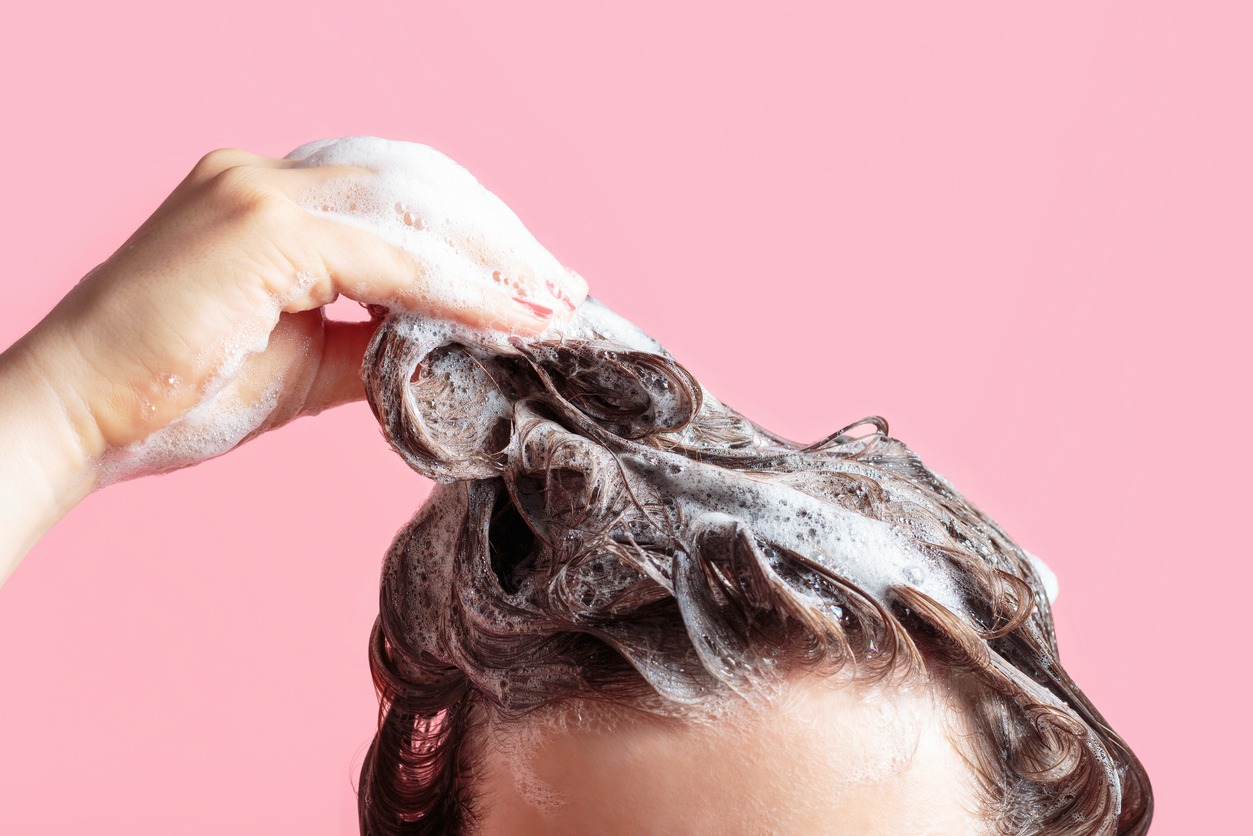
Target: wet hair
point(605, 529)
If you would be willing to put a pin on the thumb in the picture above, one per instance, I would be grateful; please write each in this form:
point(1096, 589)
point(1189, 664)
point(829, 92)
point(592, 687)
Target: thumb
point(338, 380)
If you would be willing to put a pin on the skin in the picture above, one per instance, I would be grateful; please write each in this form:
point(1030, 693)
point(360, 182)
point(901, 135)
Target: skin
point(229, 258)
point(821, 757)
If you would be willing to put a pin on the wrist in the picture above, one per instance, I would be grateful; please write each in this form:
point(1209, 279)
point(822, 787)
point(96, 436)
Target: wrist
point(46, 466)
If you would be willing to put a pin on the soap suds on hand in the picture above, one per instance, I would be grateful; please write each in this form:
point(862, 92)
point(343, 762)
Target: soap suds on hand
point(476, 252)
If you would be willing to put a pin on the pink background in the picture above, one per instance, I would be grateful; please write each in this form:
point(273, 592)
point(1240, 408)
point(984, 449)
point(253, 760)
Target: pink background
point(1022, 236)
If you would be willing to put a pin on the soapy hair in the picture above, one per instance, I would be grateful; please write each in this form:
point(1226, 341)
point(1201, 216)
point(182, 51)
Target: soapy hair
point(605, 529)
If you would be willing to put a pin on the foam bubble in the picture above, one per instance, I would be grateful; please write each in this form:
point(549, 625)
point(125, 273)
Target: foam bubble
point(475, 248)
point(223, 416)
point(212, 427)
point(867, 551)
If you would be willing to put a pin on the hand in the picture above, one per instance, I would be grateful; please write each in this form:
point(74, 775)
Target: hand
point(205, 329)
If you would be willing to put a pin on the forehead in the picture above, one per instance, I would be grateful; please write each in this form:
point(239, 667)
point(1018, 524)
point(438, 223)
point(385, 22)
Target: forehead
point(878, 761)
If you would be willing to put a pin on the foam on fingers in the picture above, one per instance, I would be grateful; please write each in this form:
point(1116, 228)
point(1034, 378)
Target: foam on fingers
point(480, 263)
point(469, 265)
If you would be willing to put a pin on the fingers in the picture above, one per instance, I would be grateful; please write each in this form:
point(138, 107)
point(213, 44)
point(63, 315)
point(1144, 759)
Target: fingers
point(475, 264)
point(344, 259)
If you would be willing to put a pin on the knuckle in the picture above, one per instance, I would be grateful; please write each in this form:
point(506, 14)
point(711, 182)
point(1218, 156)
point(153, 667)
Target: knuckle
point(239, 188)
point(214, 163)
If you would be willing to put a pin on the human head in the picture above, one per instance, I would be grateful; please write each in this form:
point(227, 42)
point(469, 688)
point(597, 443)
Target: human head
point(606, 530)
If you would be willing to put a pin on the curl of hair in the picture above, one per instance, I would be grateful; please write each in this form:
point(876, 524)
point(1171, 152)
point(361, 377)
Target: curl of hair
point(553, 562)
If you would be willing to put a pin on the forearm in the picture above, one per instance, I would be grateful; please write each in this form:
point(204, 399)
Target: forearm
point(44, 471)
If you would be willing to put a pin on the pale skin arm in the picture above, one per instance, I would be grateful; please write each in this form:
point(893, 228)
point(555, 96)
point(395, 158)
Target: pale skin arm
point(229, 257)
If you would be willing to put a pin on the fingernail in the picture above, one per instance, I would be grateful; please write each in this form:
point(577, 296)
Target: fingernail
point(538, 311)
point(558, 294)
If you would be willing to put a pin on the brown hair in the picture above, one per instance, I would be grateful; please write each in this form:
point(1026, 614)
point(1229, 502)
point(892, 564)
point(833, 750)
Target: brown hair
point(606, 529)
